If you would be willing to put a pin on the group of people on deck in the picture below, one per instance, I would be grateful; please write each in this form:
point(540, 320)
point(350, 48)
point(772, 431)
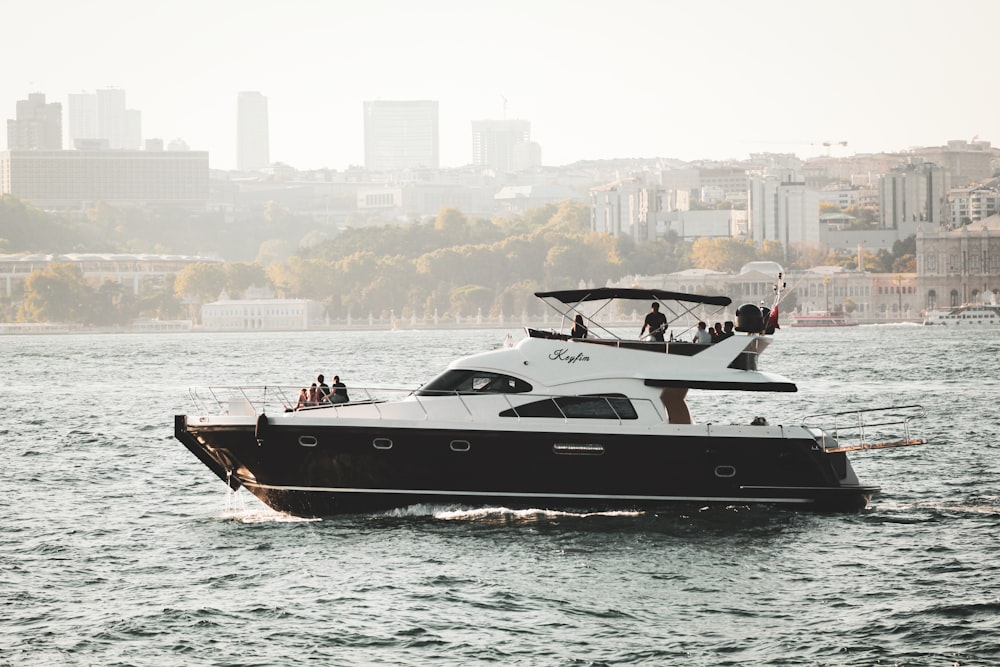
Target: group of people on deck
point(656, 324)
point(320, 393)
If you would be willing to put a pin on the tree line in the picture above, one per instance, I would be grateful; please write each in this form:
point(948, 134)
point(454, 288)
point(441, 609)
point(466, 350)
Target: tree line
point(451, 265)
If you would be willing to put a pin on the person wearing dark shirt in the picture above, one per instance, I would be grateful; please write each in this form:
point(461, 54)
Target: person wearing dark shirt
point(655, 322)
point(339, 394)
point(579, 328)
point(322, 390)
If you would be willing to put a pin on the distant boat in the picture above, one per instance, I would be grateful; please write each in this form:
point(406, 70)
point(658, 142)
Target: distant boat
point(822, 319)
point(972, 313)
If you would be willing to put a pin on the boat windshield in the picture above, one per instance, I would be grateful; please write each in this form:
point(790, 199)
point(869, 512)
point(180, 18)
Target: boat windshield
point(473, 382)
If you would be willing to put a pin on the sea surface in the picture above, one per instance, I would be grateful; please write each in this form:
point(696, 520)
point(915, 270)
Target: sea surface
point(117, 547)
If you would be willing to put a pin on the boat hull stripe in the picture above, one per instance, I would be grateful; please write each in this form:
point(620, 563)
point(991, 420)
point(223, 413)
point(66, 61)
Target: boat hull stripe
point(516, 494)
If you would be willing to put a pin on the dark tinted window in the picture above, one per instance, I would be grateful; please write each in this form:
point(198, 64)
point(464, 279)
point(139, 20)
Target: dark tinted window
point(612, 406)
point(473, 382)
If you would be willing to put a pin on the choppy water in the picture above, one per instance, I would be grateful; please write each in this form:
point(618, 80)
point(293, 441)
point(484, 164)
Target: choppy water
point(119, 548)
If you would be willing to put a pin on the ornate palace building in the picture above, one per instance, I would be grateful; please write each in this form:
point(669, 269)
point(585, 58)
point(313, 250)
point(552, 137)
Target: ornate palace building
point(958, 266)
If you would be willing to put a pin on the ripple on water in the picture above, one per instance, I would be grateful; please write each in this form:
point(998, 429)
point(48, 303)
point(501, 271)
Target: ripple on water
point(121, 549)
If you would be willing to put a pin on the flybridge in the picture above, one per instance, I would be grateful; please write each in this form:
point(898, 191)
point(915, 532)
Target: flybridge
point(675, 305)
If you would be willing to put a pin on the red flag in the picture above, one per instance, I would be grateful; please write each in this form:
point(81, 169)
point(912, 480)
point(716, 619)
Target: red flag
point(772, 321)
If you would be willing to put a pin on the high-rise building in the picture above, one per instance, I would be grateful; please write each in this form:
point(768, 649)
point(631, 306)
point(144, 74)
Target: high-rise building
point(111, 116)
point(253, 151)
point(37, 125)
point(101, 120)
point(503, 145)
point(915, 193)
point(81, 113)
point(401, 135)
point(781, 208)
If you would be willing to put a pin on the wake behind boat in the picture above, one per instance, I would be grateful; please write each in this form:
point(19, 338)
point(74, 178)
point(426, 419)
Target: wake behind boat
point(582, 420)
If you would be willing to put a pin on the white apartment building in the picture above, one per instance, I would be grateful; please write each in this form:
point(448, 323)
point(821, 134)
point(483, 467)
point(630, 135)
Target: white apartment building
point(401, 135)
point(253, 151)
point(782, 209)
point(974, 204)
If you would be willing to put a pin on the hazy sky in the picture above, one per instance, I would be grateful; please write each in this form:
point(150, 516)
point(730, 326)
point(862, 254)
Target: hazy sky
point(630, 78)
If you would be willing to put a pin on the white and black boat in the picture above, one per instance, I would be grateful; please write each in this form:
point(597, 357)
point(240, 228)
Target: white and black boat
point(551, 421)
point(971, 314)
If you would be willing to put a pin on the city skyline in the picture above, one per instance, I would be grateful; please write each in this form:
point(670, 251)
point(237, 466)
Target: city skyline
point(704, 81)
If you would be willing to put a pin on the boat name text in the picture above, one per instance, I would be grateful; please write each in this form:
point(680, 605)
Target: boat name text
point(561, 355)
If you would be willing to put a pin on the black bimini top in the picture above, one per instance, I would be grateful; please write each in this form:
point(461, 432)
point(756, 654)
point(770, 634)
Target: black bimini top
point(604, 293)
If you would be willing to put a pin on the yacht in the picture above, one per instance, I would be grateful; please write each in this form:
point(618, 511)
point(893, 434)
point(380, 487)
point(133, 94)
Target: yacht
point(969, 314)
point(551, 421)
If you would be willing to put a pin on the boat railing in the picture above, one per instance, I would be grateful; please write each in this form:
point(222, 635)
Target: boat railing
point(254, 400)
point(371, 402)
point(869, 428)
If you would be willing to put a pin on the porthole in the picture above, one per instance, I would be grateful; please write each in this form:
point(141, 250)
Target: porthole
point(725, 471)
point(382, 443)
point(460, 445)
point(307, 440)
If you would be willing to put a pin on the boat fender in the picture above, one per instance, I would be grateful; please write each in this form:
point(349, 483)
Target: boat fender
point(261, 429)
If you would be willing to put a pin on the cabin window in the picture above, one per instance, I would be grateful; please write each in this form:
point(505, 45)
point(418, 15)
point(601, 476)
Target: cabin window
point(610, 406)
point(473, 382)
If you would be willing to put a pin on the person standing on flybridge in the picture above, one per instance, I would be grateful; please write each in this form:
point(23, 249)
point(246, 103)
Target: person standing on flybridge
point(656, 322)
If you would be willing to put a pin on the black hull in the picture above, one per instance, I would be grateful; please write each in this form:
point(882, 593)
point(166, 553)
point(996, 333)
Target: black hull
point(317, 471)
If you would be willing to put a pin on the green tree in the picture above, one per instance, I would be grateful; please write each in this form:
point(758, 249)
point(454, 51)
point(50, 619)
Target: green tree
point(722, 254)
point(241, 276)
point(57, 294)
point(471, 299)
point(200, 282)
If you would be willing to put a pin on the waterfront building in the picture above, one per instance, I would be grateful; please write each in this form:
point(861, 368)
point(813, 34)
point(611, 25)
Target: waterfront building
point(140, 273)
point(959, 266)
point(864, 296)
point(253, 151)
point(401, 135)
point(261, 314)
point(37, 125)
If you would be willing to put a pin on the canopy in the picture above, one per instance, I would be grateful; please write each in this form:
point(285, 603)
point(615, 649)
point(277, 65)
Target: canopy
point(605, 293)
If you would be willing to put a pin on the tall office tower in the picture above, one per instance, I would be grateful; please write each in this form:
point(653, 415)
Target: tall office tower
point(503, 145)
point(81, 114)
point(132, 134)
point(111, 116)
point(914, 193)
point(401, 135)
point(100, 120)
point(252, 137)
point(37, 125)
point(781, 208)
